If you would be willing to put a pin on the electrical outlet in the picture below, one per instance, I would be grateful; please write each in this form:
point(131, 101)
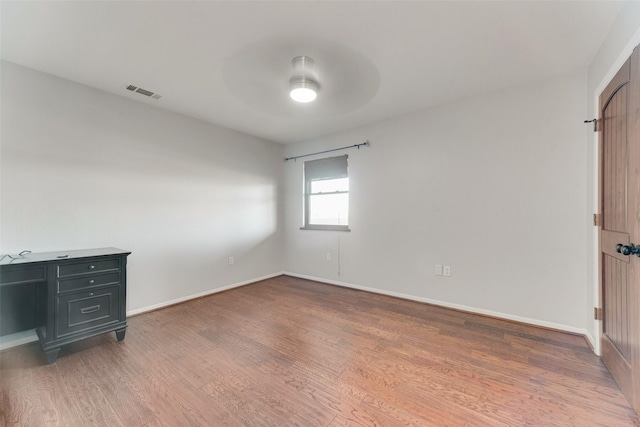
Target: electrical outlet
point(438, 270)
point(328, 256)
point(230, 260)
point(446, 270)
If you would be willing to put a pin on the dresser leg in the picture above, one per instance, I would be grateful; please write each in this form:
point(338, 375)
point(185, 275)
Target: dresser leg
point(52, 355)
point(120, 334)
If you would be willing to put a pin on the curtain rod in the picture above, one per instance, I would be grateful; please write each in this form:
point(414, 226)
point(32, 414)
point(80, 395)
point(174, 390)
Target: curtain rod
point(366, 143)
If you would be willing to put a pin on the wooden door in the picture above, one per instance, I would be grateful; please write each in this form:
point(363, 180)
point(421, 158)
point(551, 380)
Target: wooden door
point(619, 199)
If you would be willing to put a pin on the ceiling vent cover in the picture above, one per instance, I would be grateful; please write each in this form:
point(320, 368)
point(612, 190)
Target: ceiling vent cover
point(141, 91)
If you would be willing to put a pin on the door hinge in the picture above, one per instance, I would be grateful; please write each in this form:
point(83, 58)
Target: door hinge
point(597, 124)
point(597, 220)
point(597, 313)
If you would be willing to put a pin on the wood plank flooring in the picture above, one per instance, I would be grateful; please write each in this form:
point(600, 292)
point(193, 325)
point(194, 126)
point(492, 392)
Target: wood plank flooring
point(287, 351)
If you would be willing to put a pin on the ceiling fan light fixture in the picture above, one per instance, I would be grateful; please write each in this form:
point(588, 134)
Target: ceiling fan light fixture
point(303, 85)
point(303, 90)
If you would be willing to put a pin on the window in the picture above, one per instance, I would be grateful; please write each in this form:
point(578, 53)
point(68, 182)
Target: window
point(326, 194)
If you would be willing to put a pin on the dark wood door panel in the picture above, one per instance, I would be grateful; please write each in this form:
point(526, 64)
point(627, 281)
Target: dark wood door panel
point(617, 309)
point(619, 367)
point(620, 207)
point(614, 207)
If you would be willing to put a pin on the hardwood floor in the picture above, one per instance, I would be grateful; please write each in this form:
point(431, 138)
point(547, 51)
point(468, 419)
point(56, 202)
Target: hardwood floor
point(287, 351)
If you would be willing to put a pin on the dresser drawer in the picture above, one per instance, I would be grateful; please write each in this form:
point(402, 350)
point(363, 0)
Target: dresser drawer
point(98, 265)
point(82, 311)
point(85, 282)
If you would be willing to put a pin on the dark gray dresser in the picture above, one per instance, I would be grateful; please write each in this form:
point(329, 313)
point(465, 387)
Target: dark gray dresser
point(65, 296)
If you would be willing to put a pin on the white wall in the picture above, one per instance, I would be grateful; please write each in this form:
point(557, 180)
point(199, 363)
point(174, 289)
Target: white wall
point(494, 186)
point(614, 51)
point(82, 168)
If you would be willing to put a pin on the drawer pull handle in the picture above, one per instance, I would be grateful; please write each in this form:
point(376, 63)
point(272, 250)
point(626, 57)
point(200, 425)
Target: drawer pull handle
point(92, 267)
point(91, 282)
point(87, 310)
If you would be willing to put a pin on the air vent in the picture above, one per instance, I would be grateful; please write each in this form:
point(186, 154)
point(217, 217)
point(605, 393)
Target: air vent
point(141, 91)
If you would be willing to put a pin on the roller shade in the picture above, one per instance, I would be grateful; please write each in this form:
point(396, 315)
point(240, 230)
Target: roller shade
point(329, 168)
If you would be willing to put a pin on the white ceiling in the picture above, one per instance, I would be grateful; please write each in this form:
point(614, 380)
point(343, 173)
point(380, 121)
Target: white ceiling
point(228, 63)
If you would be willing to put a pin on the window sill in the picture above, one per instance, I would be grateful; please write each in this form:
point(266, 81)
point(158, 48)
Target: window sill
point(326, 227)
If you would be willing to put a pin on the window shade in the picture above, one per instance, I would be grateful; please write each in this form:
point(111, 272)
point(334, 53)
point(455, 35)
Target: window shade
point(330, 168)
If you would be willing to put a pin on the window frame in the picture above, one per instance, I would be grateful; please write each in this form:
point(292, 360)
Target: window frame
point(307, 198)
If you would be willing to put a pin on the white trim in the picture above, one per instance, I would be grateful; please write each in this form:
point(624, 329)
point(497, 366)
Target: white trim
point(19, 338)
point(26, 337)
point(597, 324)
point(527, 320)
point(592, 341)
point(199, 295)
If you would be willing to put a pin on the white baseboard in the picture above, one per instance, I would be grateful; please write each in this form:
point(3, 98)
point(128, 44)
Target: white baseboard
point(199, 295)
point(19, 338)
point(534, 322)
point(26, 337)
point(592, 342)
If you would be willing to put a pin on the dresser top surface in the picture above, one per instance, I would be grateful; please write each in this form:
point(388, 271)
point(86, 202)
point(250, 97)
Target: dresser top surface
point(62, 255)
